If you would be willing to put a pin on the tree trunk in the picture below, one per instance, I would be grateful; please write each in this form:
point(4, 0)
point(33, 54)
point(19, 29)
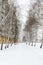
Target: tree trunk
point(41, 46)
point(2, 45)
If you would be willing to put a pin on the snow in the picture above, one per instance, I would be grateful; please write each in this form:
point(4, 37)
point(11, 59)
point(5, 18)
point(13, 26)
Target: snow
point(21, 54)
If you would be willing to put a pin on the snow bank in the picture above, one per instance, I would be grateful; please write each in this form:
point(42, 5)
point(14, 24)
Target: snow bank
point(21, 54)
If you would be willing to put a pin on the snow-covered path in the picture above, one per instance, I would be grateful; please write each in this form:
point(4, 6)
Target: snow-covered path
point(21, 54)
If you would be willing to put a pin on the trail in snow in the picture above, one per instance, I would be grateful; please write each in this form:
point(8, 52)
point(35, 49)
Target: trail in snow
point(21, 54)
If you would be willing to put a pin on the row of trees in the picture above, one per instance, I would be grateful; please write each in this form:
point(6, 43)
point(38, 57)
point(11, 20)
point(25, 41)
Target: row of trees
point(35, 20)
point(8, 22)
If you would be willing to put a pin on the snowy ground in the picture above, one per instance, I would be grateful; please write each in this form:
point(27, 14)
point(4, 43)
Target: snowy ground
point(21, 54)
